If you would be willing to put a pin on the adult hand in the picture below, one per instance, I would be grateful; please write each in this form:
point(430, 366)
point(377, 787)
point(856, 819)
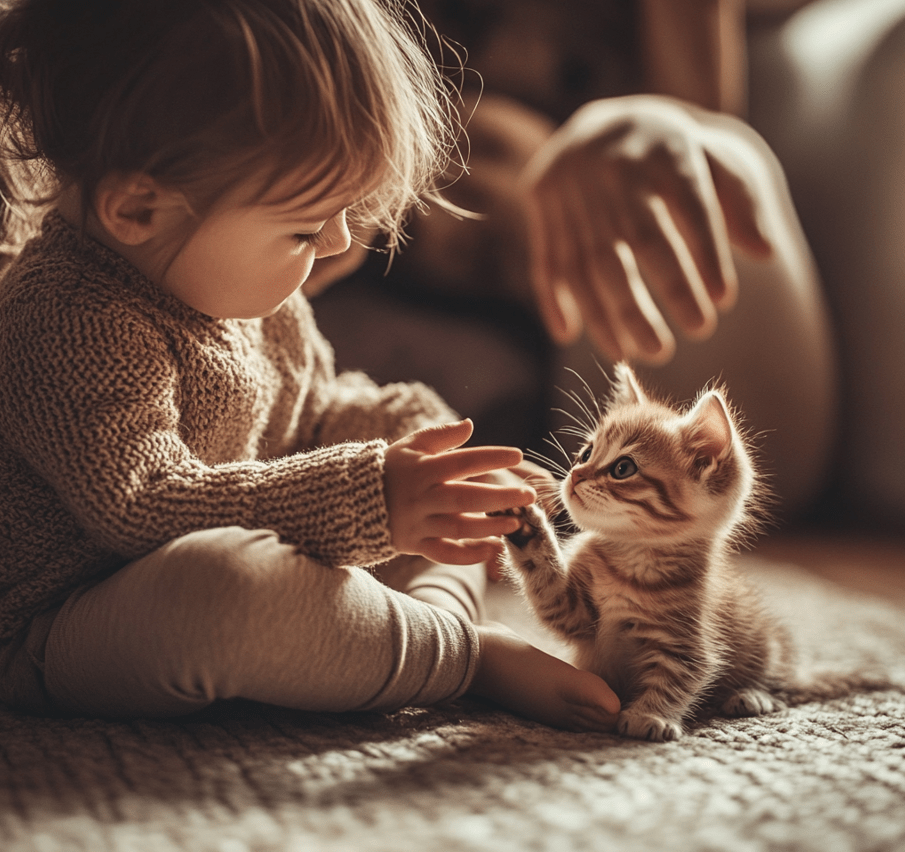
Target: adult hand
point(436, 508)
point(633, 206)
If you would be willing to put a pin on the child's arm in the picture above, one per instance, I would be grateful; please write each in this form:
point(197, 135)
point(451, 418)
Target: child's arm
point(123, 452)
point(128, 445)
point(358, 408)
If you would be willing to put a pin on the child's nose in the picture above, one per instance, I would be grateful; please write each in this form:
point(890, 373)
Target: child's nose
point(336, 237)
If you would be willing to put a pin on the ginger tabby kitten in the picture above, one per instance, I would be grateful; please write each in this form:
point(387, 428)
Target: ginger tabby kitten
point(646, 593)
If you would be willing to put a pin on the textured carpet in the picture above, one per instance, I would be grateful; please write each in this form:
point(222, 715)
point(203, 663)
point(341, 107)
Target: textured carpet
point(827, 777)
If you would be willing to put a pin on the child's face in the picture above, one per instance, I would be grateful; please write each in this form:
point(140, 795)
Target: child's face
point(245, 260)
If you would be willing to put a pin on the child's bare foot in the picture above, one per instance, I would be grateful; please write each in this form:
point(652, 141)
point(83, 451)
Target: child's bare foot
point(530, 682)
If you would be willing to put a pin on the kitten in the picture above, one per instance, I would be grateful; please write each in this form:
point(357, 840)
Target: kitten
point(646, 594)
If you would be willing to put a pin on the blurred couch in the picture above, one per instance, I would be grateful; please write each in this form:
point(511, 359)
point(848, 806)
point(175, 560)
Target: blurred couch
point(827, 91)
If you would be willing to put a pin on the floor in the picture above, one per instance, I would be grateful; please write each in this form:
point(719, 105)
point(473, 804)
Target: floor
point(865, 562)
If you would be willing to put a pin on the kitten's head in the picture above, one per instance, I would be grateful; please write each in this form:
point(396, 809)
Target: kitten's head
point(652, 473)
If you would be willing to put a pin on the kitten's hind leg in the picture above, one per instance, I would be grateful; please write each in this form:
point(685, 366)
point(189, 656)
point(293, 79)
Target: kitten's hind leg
point(751, 701)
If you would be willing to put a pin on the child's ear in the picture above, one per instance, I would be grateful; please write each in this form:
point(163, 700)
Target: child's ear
point(134, 208)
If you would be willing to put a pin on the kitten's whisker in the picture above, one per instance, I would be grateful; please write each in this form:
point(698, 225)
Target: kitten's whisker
point(539, 457)
point(554, 466)
point(587, 387)
point(548, 490)
point(585, 409)
point(582, 406)
point(587, 427)
point(575, 431)
point(554, 442)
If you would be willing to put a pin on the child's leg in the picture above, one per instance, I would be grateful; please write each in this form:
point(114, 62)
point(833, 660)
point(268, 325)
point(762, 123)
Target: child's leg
point(511, 671)
point(230, 613)
point(456, 588)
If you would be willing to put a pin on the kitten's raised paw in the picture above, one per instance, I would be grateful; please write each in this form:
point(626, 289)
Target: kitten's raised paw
point(751, 702)
point(531, 523)
point(647, 726)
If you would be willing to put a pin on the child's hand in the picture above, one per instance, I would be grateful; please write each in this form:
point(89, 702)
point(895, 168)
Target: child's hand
point(544, 688)
point(543, 482)
point(434, 509)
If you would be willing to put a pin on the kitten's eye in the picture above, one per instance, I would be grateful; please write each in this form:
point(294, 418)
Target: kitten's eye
point(585, 455)
point(623, 468)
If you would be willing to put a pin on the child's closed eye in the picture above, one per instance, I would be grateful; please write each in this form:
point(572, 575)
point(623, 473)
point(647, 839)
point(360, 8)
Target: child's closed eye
point(313, 239)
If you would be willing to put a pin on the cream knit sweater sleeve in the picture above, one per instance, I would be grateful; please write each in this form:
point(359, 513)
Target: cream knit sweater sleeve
point(361, 408)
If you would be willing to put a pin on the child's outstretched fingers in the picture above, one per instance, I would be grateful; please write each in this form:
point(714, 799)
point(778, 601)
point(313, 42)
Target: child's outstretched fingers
point(477, 497)
point(434, 506)
point(439, 439)
point(472, 461)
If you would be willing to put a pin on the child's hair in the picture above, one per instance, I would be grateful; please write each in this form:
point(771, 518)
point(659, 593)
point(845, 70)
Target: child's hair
point(203, 94)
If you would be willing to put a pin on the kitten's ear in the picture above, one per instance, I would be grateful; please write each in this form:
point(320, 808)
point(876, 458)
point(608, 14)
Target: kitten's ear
point(626, 390)
point(709, 427)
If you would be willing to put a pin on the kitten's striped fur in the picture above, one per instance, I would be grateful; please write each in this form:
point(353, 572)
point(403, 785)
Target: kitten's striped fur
point(646, 593)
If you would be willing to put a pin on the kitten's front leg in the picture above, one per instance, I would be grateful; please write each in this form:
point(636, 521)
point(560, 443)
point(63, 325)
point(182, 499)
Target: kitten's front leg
point(560, 599)
point(636, 723)
point(671, 675)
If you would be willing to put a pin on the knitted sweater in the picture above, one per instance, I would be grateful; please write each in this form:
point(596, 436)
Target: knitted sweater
point(128, 419)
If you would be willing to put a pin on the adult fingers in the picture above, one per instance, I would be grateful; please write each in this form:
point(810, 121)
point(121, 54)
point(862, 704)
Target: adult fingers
point(740, 209)
point(586, 267)
point(640, 325)
point(690, 203)
point(666, 265)
point(548, 250)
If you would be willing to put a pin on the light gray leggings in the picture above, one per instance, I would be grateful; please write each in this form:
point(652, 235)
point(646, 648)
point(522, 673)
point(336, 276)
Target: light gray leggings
point(229, 613)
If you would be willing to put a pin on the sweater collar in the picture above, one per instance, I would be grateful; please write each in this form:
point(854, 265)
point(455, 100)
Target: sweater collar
point(115, 267)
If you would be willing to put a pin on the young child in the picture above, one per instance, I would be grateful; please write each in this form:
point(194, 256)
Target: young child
point(186, 483)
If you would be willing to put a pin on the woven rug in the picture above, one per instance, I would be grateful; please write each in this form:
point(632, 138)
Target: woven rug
point(827, 777)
